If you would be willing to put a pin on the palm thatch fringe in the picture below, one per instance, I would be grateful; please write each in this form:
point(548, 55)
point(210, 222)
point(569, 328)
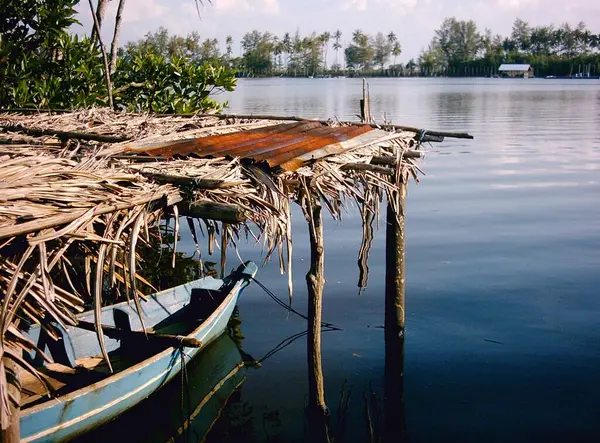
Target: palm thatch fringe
point(78, 206)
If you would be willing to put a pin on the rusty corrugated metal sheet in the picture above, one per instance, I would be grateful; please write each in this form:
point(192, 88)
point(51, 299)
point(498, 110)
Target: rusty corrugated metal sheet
point(288, 145)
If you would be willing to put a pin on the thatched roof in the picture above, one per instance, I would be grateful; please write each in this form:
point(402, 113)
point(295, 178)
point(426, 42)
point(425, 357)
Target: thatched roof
point(95, 183)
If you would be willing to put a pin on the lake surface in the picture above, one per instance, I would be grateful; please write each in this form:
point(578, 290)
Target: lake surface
point(503, 271)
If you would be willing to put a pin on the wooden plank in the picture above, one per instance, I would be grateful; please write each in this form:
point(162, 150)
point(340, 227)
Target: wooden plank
point(153, 337)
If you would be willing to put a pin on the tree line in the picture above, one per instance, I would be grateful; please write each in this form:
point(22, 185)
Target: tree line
point(458, 48)
point(43, 64)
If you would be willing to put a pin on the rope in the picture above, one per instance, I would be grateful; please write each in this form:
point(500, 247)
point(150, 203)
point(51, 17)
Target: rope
point(184, 388)
point(290, 309)
point(288, 341)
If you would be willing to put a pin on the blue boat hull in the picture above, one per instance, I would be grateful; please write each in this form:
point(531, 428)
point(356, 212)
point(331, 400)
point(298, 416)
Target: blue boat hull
point(84, 409)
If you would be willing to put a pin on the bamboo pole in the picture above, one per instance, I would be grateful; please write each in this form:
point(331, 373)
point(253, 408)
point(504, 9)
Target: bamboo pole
point(395, 302)
point(318, 412)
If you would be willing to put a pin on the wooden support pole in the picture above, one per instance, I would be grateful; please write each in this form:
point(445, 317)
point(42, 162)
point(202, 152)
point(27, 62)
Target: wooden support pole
point(224, 240)
point(395, 292)
point(209, 210)
point(317, 410)
point(388, 160)
point(12, 432)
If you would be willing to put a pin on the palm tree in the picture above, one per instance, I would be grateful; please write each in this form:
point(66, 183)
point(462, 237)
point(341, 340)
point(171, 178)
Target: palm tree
point(391, 38)
point(286, 44)
point(396, 51)
point(360, 38)
point(337, 45)
point(324, 39)
point(229, 45)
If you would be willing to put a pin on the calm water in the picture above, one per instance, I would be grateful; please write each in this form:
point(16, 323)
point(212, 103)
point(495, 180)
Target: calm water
point(503, 271)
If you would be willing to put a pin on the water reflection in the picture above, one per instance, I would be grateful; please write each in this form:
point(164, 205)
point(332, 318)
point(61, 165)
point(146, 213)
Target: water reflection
point(186, 409)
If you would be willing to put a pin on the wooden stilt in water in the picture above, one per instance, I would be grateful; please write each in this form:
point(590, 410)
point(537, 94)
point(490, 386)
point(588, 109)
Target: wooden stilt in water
point(317, 411)
point(12, 433)
point(224, 240)
point(395, 291)
point(365, 104)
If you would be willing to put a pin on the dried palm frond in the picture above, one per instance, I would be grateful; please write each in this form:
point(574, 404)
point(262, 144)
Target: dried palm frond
point(82, 207)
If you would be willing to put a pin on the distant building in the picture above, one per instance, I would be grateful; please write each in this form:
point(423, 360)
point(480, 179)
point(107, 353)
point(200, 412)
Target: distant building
point(514, 70)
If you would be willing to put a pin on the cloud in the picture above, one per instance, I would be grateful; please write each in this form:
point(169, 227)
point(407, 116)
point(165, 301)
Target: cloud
point(136, 11)
point(401, 7)
point(270, 7)
point(516, 4)
point(357, 5)
point(231, 5)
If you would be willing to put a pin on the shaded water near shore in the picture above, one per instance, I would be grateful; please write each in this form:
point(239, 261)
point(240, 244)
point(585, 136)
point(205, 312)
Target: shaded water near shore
point(503, 272)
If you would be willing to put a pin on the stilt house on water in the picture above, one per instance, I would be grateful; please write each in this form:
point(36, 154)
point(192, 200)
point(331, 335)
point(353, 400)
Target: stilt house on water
point(516, 70)
point(80, 191)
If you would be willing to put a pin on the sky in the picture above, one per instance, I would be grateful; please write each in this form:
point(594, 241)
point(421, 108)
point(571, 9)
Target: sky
point(413, 21)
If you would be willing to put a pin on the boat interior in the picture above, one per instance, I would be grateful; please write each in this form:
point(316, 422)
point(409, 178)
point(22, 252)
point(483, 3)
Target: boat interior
point(75, 354)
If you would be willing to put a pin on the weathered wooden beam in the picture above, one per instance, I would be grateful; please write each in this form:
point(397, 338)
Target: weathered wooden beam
point(196, 183)
point(278, 118)
point(367, 167)
point(373, 125)
point(222, 212)
point(395, 280)
point(315, 281)
point(391, 161)
point(137, 158)
point(63, 135)
point(395, 320)
point(431, 138)
point(152, 337)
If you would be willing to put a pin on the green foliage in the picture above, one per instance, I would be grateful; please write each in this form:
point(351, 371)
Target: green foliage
point(73, 78)
point(42, 65)
point(150, 82)
point(258, 51)
point(361, 52)
point(34, 25)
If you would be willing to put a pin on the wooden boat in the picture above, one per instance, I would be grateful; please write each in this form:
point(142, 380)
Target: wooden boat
point(183, 409)
point(88, 394)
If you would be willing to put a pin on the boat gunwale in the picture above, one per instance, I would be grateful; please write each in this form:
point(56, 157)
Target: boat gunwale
point(234, 291)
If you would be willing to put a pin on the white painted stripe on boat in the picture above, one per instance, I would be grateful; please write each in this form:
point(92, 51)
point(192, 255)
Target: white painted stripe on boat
point(95, 411)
